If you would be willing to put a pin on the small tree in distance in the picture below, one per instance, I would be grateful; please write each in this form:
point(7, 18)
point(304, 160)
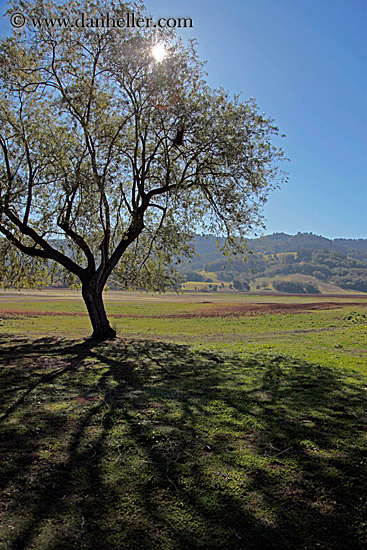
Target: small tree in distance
point(111, 160)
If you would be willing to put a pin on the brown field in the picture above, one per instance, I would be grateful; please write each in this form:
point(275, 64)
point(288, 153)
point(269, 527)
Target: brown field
point(232, 310)
point(13, 296)
point(211, 310)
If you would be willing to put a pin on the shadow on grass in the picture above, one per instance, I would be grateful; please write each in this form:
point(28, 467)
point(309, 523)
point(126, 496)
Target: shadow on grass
point(149, 445)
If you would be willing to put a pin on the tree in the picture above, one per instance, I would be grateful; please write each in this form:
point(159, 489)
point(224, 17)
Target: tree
point(93, 178)
point(237, 284)
point(194, 277)
point(287, 259)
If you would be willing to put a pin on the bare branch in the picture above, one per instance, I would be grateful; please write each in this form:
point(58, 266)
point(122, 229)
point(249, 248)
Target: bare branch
point(30, 250)
point(50, 252)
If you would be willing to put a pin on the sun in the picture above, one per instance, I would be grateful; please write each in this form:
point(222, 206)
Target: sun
point(159, 52)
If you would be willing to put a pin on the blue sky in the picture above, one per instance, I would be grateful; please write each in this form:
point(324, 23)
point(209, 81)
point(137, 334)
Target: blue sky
point(305, 62)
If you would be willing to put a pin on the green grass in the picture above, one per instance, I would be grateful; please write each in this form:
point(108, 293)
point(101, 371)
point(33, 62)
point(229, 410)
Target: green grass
point(239, 433)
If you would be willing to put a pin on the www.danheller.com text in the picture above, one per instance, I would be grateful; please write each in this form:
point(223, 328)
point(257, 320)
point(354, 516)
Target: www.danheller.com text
point(108, 21)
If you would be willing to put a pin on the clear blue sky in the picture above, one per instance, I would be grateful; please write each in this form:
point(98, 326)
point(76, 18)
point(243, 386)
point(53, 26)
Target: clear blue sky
point(305, 62)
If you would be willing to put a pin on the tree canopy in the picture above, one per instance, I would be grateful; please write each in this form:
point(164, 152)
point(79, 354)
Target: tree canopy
point(110, 159)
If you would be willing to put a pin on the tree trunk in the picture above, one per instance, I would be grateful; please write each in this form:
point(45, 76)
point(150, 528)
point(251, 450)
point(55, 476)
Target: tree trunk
point(97, 313)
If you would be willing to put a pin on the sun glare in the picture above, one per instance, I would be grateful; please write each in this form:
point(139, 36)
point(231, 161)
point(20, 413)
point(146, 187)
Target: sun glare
point(159, 52)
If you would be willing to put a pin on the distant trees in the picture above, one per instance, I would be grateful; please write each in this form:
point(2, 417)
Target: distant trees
point(304, 255)
point(295, 287)
point(325, 265)
point(240, 285)
point(319, 275)
point(194, 277)
point(287, 259)
point(226, 276)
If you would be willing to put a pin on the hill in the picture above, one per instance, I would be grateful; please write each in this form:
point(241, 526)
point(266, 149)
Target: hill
point(287, 263)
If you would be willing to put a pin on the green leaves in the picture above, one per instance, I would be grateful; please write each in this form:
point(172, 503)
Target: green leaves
point(88, 152)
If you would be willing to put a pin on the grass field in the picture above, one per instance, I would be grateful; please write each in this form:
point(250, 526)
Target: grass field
point(214, 421)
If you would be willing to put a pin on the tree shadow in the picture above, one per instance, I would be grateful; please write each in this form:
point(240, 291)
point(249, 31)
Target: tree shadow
point(151, 445)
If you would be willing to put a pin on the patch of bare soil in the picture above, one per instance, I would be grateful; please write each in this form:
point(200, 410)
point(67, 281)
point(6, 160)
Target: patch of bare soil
point(216, 310)
point(8, 314)
point(235, 310)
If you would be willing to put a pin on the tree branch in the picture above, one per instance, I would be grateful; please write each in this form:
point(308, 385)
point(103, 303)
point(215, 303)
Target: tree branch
point(30, 250)
point(50, 252)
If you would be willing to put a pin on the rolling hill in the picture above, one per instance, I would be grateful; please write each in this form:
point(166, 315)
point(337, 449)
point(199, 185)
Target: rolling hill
point(302, 263)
